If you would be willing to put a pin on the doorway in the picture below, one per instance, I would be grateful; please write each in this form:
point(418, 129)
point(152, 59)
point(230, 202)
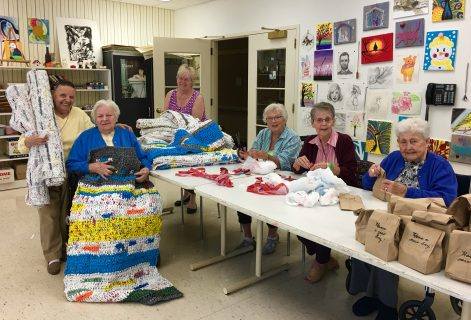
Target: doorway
point(233, 65)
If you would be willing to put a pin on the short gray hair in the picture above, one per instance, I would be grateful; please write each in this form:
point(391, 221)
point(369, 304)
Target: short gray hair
point(275, 107)
point(413, 125)
point(184, 68)
point(108, 103)
point(322, 106)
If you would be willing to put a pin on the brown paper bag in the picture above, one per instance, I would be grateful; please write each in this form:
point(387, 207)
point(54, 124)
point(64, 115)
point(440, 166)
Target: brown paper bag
point(458, 261)
point(350, 202)
point(361, 223)
point(378, 191)
point(392, 202)
point(460, 209)
point(405, 220)
point(382, 235)
point(437, 207)
point(405, 206)
point(421, 248)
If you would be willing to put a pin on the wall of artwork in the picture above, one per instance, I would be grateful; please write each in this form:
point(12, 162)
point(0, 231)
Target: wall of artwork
point(400, 83)
point(118, 23)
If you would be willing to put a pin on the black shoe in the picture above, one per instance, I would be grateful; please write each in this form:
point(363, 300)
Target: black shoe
point(386, 313)
point(191, 210)
point(365, 306)
point(179, 203)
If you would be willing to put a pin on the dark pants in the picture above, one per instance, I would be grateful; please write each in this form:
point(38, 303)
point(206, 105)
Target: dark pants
point(245, 219)
point(322, 252)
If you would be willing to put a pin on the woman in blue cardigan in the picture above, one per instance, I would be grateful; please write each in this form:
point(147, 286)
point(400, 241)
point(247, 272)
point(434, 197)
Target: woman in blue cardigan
point(105, 114)
point(411, 172)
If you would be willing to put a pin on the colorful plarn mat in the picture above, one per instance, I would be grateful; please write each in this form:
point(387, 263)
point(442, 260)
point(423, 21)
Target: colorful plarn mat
point(113, 244)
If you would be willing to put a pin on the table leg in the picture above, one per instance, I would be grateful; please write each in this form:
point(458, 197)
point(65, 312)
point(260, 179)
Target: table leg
point(466, 311)
point(181, 205)
point(219, 211)
point(288, 244)
point(258, 250)
point(303, 254)
point(201, 218)
point(223, 231)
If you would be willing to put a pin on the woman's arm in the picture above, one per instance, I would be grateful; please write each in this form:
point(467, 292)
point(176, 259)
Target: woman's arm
point(167, 101)
point(198, 107)
point(289, 152)
point(77, 161)
point(305, 152)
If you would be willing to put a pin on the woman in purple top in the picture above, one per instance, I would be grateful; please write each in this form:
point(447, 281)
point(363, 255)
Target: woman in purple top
point(185, 99)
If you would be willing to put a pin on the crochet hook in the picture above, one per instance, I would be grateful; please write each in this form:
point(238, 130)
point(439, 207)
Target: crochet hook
point(465, 98)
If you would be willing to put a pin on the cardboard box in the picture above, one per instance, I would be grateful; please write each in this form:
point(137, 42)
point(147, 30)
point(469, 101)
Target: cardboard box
point(12, 149)
point(6, 175)
point(20, 171)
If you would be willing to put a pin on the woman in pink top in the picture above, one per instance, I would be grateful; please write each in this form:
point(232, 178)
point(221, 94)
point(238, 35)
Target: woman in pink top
point(185, 99)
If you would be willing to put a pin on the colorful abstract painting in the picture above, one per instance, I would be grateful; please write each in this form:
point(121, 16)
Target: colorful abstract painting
point(360, 147)
point(440, 50)
point(345, 31)
point(355, 125)
point(9, 28)
point(405, 102)
point(346, 63)
point(408, 8)
point(380, 77)
point(461, 121)
point(12, 50)
point(377, 103)
point(440, 147)
point(308, 94)
point(378, 137)
point(376, 16)
point(407, 68)
point(307, 65)
point(340, 122)
point(444, 10)
point(324, 36)
point(323, 64)
point(38, 31)
point(377, 48)
point(354, 93)
point(460, 148)
point(410, 33)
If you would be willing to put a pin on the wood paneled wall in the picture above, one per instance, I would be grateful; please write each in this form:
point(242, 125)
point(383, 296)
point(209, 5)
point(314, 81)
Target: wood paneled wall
point(119, 23)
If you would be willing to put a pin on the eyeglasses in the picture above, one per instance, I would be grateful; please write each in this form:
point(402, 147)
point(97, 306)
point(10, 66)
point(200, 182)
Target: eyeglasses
point(275, 118)
point(320, 120)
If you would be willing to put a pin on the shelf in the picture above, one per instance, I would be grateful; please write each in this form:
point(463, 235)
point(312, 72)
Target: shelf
point(92, 90)
point(48, 68)
point(10, 136)
point(13, 185)
point(4, 158)
point(5, 113)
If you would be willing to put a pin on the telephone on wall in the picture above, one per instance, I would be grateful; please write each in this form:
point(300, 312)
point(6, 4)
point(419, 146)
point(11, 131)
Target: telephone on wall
point(440, 94)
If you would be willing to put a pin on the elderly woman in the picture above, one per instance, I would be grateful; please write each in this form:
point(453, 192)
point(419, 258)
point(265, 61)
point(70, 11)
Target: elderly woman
point(411, 172)
point(327, 149)
point(279, 144)
point(105, 114)
point(186, 100)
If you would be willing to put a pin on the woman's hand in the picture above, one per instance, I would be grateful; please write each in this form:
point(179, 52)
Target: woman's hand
point(258, 154)
point(35, 140)
point(242, 153)
point(302, 162)
point(393, 187)
point(320, 165)
point(104, 169)
point(374, 170)
point(142, 175)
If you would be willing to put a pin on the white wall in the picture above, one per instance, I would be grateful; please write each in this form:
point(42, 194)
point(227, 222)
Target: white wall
point(225, 17)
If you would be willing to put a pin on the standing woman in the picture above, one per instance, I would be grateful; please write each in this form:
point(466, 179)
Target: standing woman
point(185, 99)
point(326, 149)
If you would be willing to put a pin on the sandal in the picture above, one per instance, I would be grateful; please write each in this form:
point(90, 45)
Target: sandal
point(191, 210)
point(178, 203)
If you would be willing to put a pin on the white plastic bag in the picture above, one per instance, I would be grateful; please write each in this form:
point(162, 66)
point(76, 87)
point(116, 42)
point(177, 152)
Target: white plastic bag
point(258, 166)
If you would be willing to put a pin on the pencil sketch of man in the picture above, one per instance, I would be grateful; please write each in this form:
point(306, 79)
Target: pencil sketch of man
point(344, 64)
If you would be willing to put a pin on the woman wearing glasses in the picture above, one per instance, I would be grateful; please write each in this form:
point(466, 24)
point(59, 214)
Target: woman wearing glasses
point(279, 144)
point(326, 149)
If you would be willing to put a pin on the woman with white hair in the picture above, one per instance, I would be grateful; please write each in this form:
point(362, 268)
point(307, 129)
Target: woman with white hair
point(411, 172)
point(105, 114)
point(279, 144)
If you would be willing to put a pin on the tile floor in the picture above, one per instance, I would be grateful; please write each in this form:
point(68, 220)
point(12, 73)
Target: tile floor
point(27, 291)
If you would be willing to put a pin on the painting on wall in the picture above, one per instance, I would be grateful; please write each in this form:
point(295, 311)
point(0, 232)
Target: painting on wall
point(376, 16)
point(407, 69)
point(79, 40)
point(377, 103)
point(323, 63)
point(440, 147)
point(346, 63)
point(410, 33)
point(324, 36)
point(408, 8)
point(380, 77)
point(440, 50)
point(9, 28)
point(38, 31)
point(402, 117)
point(354, 96)
point(332, 93)
point(308, 41)
point(461, 121)
point(360, 150)
point(308, 94)
point(460, 148)
point(444, 10)
point(307, 66)
point(12, 50)
point(377, 48)
point(345, 31)
point(378, 137)
point(405, 102)
point(340, 122)
point(355, 125)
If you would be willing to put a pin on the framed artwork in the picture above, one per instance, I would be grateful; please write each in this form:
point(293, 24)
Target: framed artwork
point(460, 148)
point(308, 94)
point(440, 147)
point(444, 10)
point(38, 31)
point(79, 40)
point(377, 48)
point(440, 50)
point(376, 16)
point(380, 77)
point(407, 69)
point(323, 61)
point(12, 50)
point(307, 66)
point(308, 40)
point(345, 31)
point(410, 33)
point(354, 96)
point(324, 36)
point(377, 103)
point(346, 63)
point(355, 125)
point(461, 121)
point(9, 28)
point(333, 93)
point(405, 102)
point(378, 137)
point(340, 122)
point(360, 147)
point(407, 8)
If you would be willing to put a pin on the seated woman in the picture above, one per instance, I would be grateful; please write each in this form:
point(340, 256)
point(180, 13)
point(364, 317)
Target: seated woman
point(279, 144)
point(411, 172)
point(326, 149)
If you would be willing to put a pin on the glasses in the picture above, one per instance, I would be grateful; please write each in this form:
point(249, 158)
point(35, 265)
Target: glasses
point(320, 120)
point(275, 118)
